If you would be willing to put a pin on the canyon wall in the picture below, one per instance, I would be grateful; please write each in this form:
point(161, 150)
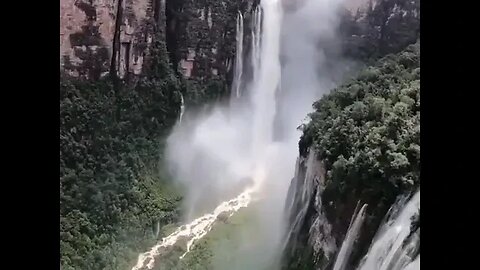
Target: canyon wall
point(200, 35)
point(91, 31)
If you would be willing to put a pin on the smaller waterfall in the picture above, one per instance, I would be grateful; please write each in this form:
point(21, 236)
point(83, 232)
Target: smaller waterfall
point(238, 72)
point(306, 188)
point(157, 230)
point(256, 30)
point(182, 108)
point(397, 244)
point(302, 190)
point(350, 237)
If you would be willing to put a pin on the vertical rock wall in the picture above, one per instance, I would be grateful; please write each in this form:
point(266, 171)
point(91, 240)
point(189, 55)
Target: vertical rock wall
point(87, 33)
point(379, 27)
point(200, 35)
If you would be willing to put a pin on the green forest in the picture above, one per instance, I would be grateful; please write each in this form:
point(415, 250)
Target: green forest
point(367, 134)
point(113, 190)
point(367, 131)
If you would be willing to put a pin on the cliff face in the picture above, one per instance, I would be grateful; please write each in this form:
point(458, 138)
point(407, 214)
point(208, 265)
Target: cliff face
point(310, 243)
point(322, 201)
point(97, 36)
point(201, 41)
point(91, 31)
point(371, 29)
point(201, 35)
point(365, 137)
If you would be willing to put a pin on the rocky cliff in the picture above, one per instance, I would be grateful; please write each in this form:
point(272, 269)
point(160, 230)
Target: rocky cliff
point(201, 41)
point(362, 146)
point(97, 36)
point(337, 171)
point(102, 36)
point(373, 28)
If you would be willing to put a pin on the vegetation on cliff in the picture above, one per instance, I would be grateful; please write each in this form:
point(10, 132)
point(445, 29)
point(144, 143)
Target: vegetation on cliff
point(367, 133)
point(380, 28)
point(113, 193)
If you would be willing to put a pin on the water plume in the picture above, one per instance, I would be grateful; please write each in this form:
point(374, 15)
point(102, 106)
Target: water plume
point(249, 147)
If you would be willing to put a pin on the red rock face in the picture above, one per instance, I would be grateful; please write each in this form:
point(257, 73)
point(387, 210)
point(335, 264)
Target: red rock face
point(87, 31)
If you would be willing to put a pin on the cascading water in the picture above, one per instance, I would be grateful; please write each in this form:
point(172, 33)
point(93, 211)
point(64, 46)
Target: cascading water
point(263, 96)
point(349, 240)
point(233, 150)
point(182, 108)
point(238, 71)
point(303, 190)
point(227, 147)
point(306, 187)
point(396, 246)
point(255, 35)
point(157, 229)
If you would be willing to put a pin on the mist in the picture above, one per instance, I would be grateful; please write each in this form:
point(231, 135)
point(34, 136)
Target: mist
point(254, 140)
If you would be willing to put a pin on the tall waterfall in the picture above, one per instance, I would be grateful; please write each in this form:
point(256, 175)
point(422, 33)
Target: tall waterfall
point(228, 148)
point(256, 28)
point(263, 96)
point(238, 71)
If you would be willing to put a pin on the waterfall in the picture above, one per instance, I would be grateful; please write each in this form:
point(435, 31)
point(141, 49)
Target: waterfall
point(182, 108)
point(396, 245)
point(302, 189)
point(238, 71)
point(157, 230)
point(263, 96)
point(255, 40)
point(223, 148)
point(350, 237)
point(306, 187)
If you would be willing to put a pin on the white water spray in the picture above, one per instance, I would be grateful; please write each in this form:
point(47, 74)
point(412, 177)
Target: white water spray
point(231, 150)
